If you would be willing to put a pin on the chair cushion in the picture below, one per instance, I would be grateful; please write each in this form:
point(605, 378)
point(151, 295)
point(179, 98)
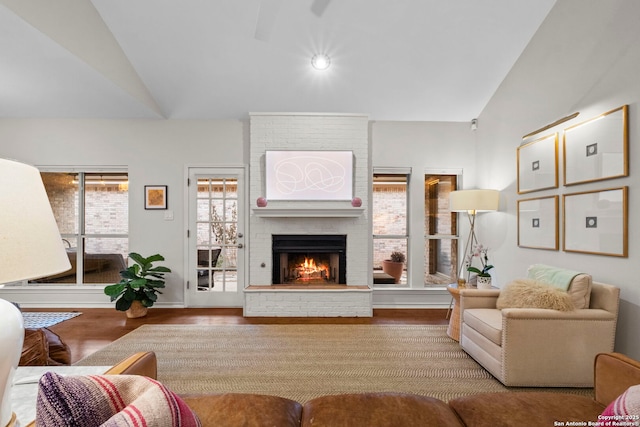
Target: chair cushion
point(529, 293)
point(525, 409)
point(109, 400)
point(487, 321)
point(579, 286)
point(378, 409)
point(239, 409)
point(580, 291)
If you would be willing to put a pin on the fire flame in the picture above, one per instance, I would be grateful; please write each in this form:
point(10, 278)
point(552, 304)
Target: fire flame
point(309, 269)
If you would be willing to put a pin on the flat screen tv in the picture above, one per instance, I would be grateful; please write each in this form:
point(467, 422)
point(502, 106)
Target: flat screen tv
point(309, 175)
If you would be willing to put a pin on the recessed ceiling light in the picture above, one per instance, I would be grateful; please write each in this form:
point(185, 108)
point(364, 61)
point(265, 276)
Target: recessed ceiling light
point(320, 61)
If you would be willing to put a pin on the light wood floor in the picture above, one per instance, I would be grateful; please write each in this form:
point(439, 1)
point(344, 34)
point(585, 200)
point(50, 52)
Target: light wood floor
point(97, 327)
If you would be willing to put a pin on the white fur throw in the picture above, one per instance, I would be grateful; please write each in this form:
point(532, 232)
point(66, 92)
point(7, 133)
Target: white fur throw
point(528, 293)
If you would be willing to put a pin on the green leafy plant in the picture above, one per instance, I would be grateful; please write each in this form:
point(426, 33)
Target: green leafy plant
point(480, 252)
point(397, 257)
point(140, 282)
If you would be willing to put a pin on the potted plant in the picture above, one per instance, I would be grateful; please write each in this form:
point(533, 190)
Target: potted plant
point(138, 288)
point(394, 265)
point(484, 278)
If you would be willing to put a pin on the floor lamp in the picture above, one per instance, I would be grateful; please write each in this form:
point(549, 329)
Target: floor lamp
point(472, 202)
point(30, 247)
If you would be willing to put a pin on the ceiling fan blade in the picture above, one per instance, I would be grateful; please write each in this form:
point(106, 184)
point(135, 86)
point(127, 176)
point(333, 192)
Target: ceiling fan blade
point(269, 10)
point(319, 6)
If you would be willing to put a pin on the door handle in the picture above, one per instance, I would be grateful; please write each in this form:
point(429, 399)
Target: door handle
point(240, 246)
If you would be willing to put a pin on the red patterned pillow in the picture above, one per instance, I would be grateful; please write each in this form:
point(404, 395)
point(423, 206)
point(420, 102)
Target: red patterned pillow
point(627, 406)
point(109, 400)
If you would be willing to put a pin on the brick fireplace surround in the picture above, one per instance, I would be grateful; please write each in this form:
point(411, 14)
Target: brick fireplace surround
point(313, 132)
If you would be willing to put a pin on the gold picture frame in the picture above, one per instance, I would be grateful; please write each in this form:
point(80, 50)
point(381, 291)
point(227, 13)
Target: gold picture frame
point(597, 149)
point(155, 197)
point(538, 223)
point(537, 164)
point(596, 222)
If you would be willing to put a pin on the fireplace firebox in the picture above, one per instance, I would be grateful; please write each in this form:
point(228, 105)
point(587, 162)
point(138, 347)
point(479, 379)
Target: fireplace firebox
point(309, 259)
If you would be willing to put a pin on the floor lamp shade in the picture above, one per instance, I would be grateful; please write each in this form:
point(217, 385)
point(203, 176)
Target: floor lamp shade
point(30, 243)
point(474, 200)
point(30, 247)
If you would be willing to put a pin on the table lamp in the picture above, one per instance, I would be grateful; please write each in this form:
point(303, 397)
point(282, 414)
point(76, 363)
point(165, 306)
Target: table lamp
point(472, 202)
point(30, 247)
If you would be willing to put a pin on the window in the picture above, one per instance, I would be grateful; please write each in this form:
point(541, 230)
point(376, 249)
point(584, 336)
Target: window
point(441, 244)
point(390, 226)
point(92, 212)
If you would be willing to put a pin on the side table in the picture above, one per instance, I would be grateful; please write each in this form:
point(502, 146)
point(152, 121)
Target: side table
point(453, 330)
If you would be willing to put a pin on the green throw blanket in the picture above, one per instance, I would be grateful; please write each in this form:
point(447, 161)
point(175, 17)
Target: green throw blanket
point(558, 277)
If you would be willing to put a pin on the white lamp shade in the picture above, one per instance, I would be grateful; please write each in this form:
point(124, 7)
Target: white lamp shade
point(30, 247)
point(11, 339)
point(30, 243)
point(474, 200)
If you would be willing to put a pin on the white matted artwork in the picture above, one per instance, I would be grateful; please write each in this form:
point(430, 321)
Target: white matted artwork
point(538, 223)
point(538, 164)
point(597, 149)
point(595, 222)
point(309, 175)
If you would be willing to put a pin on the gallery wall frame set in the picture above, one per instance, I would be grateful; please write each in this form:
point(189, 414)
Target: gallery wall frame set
point(593, 221)
point(155, 197)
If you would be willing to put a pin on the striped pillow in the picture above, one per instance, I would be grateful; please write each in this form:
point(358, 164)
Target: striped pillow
point(109, 400)
point(625, 410)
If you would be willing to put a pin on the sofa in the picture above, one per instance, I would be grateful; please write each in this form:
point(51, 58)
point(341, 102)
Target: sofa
point(531, 346)
point(614, 373)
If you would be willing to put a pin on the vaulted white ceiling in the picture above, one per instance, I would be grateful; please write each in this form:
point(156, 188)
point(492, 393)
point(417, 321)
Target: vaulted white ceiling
point(432, 60)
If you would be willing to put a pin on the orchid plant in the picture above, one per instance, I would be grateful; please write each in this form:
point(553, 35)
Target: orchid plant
point(480, 252)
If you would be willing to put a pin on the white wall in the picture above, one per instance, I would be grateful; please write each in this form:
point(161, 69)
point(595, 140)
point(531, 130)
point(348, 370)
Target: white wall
point(584, 58)
point(156, 152)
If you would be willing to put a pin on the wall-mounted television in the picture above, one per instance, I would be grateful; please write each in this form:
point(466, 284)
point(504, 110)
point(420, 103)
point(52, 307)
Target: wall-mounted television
point(309, 175)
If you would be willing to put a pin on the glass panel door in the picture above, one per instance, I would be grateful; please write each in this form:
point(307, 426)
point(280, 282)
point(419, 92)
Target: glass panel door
point(215, 240)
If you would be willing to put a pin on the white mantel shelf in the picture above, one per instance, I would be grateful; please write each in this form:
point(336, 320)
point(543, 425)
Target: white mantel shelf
point(306, 212)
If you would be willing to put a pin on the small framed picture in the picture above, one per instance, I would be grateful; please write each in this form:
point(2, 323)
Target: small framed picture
point(538, 164)
point(595, 222)
point(538, 223)
point(597, 149)
point(155, 197)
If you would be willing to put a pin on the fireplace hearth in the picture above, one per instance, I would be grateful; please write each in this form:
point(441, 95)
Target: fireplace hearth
point(309, 259)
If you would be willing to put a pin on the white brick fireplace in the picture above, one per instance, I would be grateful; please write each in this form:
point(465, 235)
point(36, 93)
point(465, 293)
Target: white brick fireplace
point(309, 132)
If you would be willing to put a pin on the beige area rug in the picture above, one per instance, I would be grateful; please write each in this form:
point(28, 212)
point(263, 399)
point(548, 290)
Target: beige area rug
point(301, 362)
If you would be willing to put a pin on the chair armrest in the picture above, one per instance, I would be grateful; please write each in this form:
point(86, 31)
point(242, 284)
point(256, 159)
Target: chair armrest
point(478, 298)
point(614, 373)
point(564, 344)
point(142, 363)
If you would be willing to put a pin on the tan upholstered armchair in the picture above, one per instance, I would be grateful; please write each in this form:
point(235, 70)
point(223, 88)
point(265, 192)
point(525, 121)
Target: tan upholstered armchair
point(537, 347)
